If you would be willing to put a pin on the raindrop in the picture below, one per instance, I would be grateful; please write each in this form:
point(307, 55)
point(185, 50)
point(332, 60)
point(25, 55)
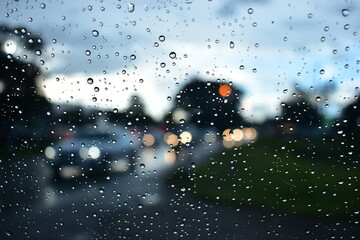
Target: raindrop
point(87, 52)
point(250, 11)
point(101, 190)
point(169, 98)
point(183, 189)
point(141, 80)
point(161, 38)
point(318, 98)
point(131, 7)
point(182, 121)
point(142, 165)
point(188, 1)
point(232, 44)
point(162, 65)
point(133, 57)
point(193, 165)
point(322, 71)
point(9, 233)
point(172, 55)
point(38, 52)
point(90, 81)
point(242, 67)
point(326, 28)
point(345, 12)
point(310, 15)
point(42, 5)
point(95, 33)
point(96, 89)
point(346, 26)
point(94, 99)
point(341, 181)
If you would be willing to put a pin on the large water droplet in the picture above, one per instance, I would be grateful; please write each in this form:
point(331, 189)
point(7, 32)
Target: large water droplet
point(90, 81)
point(172, 55)
point(161, 38)
point(345, 12)
point(131, 7)
point(95, 33)
point(232, 44)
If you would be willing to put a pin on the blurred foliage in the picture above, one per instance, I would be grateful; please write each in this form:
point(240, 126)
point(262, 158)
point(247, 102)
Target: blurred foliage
point(283, 175)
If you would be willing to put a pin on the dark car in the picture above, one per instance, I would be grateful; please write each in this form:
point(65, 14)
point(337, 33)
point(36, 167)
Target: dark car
point(94, 152)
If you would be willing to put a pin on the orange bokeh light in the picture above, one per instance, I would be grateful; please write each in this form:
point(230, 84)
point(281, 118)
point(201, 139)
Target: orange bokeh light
point(225, 90)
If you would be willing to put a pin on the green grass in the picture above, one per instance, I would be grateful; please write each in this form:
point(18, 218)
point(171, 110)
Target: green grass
point(282, 175)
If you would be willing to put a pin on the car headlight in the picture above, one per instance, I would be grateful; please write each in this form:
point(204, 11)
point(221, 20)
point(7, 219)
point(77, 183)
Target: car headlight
point(94, 152)
point(50, 152)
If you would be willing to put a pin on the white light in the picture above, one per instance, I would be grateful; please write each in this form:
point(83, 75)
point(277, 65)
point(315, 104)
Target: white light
point(10, 47)
point(94, 152)
point(83, 152)
point(50, 152)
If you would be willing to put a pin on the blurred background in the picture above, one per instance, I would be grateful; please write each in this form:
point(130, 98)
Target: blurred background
point(240, 118)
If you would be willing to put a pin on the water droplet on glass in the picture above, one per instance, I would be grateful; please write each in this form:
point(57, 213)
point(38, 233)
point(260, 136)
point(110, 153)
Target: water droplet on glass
point(94, 99)
point(188, 1)
point(250, 11)
point(345, 12)
point(182, 189)
point(318, 99)
point(101, 190)
point(341, 181)
point(232, 44)
point(42, 5)
point(169, 98)
point(172, 55)
point(241, 67)
point(322, 71)
point(90, 81)
point(346, 26)
point(95, 33)
point(131, 7)
point(87, 52)
point(96, 89)
point(9, 233)
point(142, 165)
point(161, 38)
point(193, 165)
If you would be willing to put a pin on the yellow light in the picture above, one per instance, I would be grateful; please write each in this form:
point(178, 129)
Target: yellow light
point(237, 135)
point(226, 135)
point(228, 144)
point(170, 157)
point(186, 137)
point(148, 140)
point(250, 133)
point(171, 139)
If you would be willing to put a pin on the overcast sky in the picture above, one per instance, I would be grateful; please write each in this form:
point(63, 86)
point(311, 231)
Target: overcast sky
point(280, 43)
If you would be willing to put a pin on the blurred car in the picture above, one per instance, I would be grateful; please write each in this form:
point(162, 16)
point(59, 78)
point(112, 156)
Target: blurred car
point(92, 152)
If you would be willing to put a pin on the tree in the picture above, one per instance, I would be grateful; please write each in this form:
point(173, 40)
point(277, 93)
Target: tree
point(208, 104)
point(21, 105)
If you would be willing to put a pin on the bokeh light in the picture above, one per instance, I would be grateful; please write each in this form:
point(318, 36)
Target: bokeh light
point(148, 140)
point(225, 90)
